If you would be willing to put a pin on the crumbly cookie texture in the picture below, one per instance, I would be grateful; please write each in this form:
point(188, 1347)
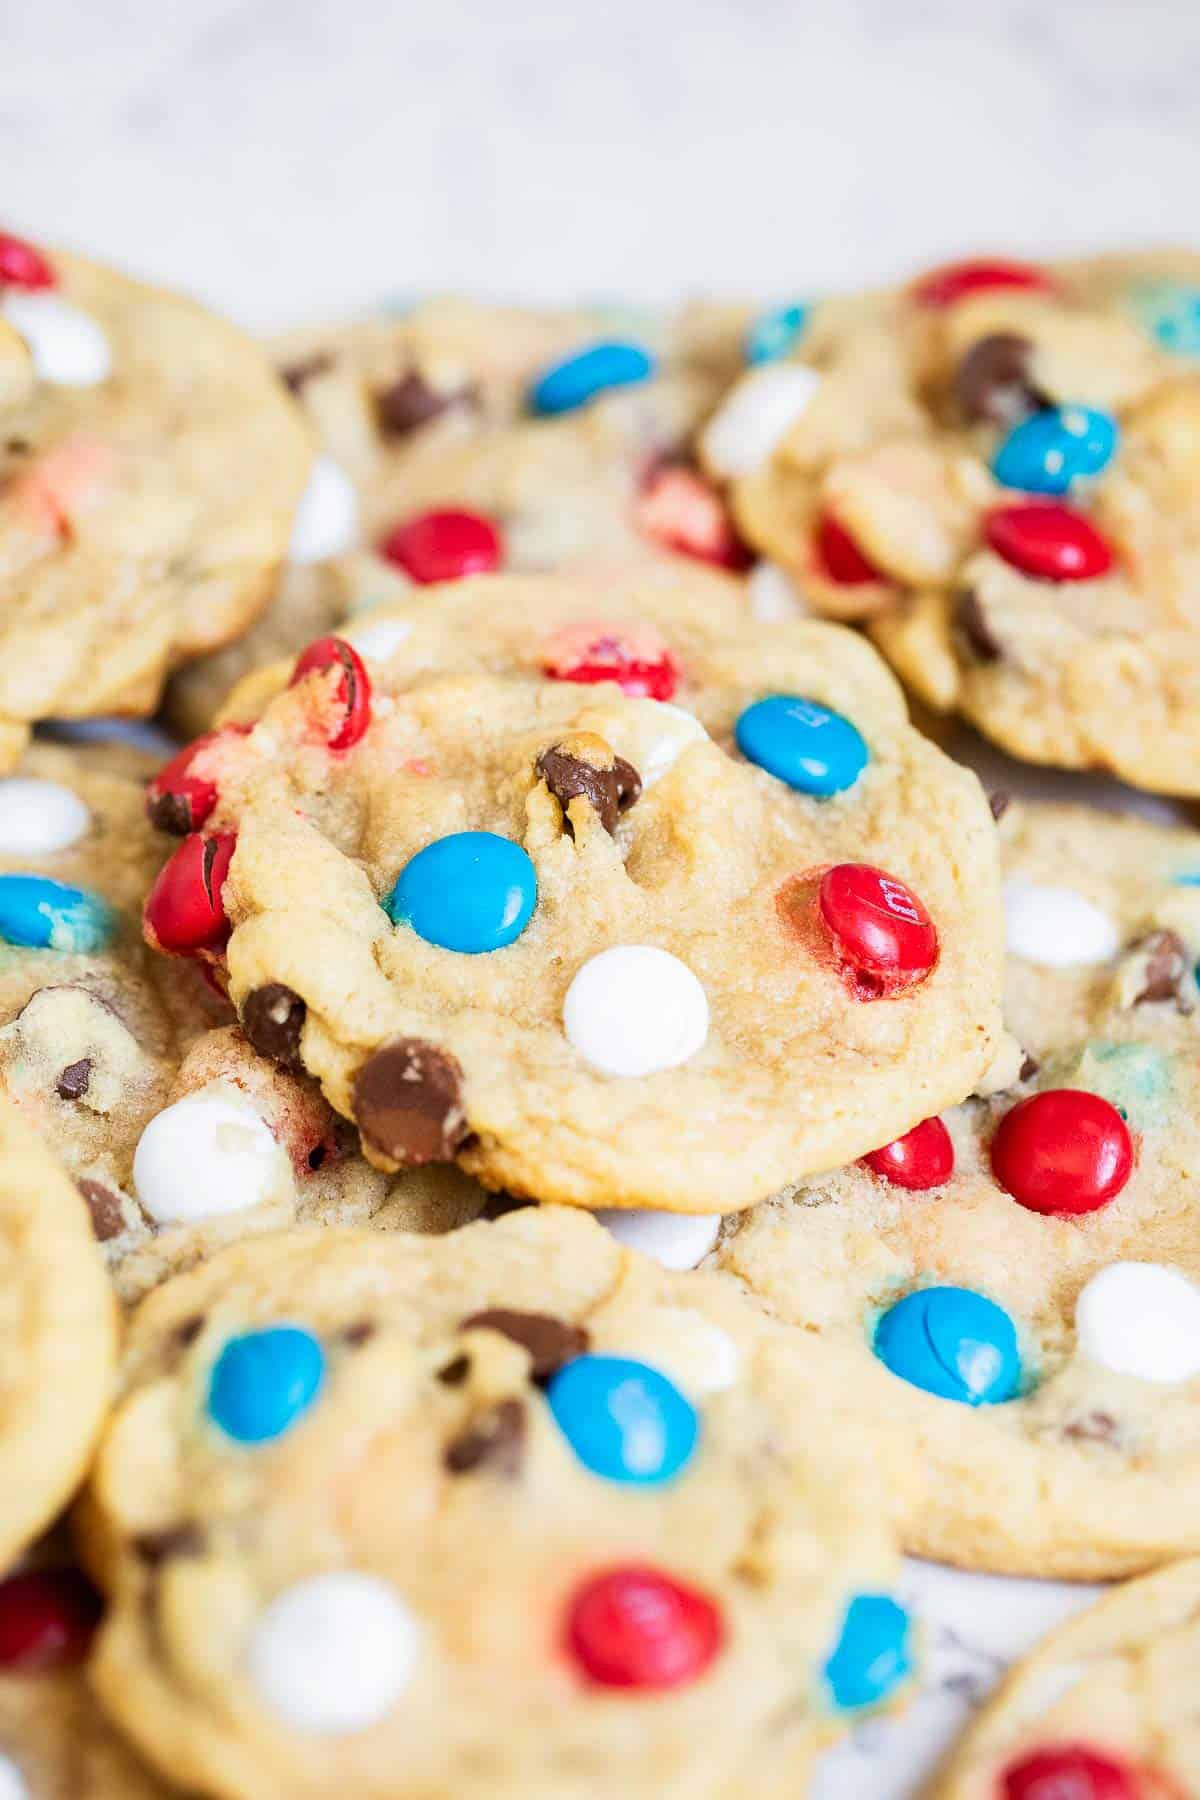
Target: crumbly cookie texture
point(542, 1518)
point(101, 1042)
point(731, 1039)
point(942, 415)
point(432, 411)
point(1106, 1705)
point(57, 1333)
point(150, 462)
point(1062, 1206)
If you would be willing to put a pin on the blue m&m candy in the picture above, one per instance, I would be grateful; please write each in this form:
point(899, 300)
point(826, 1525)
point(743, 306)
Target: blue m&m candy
point(803, 743)
point(873, 1654)
point(472, 891)
point(624, 1420)
point(1170, 312)
point(48, 915)
point(1064, 444)
point(577, 379)
point(773, 333)
point(263, 1381)
point(952, 1342)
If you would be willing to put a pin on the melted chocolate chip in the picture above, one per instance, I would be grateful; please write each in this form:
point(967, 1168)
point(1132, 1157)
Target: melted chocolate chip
point(1166, 969)
point(495, 1440)
point(273, 1018)
point(993, 384)
point(608, 791)
point(156, 1547)
point(999, 802)
point(72, 1083)
point(1093, 1428)
point(295, 376)
point(108, 1218)
point(975, 629)
point(170, 812)
point(455, 1372)
point(411, 402)
point(408, 1102)
point(550, 1342)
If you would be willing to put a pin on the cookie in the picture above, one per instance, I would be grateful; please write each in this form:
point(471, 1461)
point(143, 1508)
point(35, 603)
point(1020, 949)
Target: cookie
point(663, 947)
point(1104, 1709)
point(177, 1133)
point(505, 1513)
point(1015, 1288)
point(150, 463)
point(462, 438)
point(996, 466)
point(57, 1335)
point(55, 1743)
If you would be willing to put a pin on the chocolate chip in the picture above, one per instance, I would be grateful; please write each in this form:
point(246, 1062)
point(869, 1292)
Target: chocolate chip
point(361, 1333)
point(296, 375)
point(999, 803)
point(608, 791)
point(550, 1342)
point(188, 1330)
point(408, 1102)
point(72, 1083)
point(410, 403)
point(1166, 969)
point(273, 1018)
point(455, 1373)
point(993, 383)
point(170, 812)
point(155, 1547)
point(974, 627)
point(16, 446)
point(1029, 1068)
point(495, 1440)
point(108, 1217)
point(1093, 1428)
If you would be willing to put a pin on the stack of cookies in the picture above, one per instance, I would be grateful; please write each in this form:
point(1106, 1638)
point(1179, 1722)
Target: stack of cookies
point(549, 1132)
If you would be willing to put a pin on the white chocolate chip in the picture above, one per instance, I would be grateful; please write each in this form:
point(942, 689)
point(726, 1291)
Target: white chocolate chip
point(675, 729)
point(39, 817)
point(69, 348)
point(207, 1154)
point(326, 522)
point(773, 595)
point(1141, 1319)
point(13, 1785)
point(676, 1240)
point(376, 642)
point(756, 415)
point(635, 1010)
point(1056, 927)
point(334, 1653)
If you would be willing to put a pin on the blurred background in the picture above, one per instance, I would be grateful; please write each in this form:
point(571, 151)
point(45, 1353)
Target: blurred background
point(286, 158)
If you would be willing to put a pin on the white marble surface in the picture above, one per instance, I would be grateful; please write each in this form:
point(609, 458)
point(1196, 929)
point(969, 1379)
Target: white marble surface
point(291, 160)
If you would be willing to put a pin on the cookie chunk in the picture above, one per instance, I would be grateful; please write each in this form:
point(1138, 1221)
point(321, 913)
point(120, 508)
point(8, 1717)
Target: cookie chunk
point(1015, 1288)
point(150, 464)
point(57, 1334)
point(177, 1132)
point(663, 916)
point(462, 438)
point(1105, 1706)
point(998, 467)
point(508, 1512)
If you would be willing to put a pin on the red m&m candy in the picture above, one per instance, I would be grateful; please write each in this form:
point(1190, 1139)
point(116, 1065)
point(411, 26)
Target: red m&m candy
point(1068, 1772)
point(839, 556)
point(636, 657)
point(444, 546)
point(349, 696)
point(955, 281)
point(636, 1628)
point(922, 1158)
point(882, 933)
point(184, 912)
point(1051, 543)
point(1064, 1151)
point(22, 266)
point(678, 509)
point(180, 798)
point(47, 1618)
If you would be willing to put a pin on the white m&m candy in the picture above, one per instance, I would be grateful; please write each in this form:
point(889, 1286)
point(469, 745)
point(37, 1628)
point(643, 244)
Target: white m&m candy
point(334, 1653)
point(209, 1153)
point(1056, 926)
point(1141, 1319)
point(760, 410)
point(39, 817)
point(635, 1010)
point(68, 346)
point(699, 1356)
point(676, 1240)
point(326, 522)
